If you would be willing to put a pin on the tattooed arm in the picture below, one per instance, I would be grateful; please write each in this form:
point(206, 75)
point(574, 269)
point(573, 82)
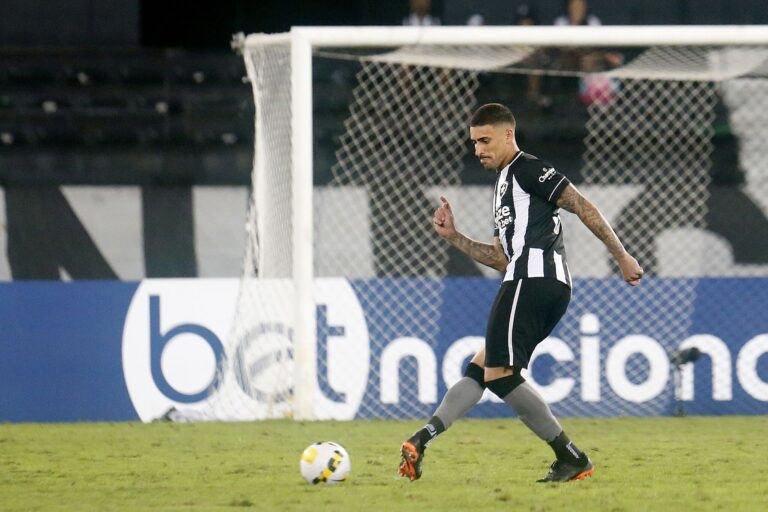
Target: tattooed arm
point(572, 201)
point(491, 255)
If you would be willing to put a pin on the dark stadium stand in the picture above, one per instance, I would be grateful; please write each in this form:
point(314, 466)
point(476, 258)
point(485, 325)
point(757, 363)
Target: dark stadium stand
point(65, 105)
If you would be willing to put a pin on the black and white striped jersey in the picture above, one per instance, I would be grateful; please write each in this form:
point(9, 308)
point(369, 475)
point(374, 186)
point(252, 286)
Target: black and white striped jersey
point(527, 221)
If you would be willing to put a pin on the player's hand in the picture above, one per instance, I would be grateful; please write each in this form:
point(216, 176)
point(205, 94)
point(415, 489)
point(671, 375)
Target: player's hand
point(442, 220)
point(630, 269)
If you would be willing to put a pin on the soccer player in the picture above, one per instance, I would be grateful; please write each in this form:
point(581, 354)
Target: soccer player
point(528, 247)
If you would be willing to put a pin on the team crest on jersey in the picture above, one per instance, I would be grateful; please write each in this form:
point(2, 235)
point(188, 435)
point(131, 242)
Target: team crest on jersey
point(503, 188)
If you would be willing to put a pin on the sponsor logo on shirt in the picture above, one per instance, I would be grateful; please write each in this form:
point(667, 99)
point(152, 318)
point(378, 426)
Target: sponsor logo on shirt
point(503, 217)
point(548, 173)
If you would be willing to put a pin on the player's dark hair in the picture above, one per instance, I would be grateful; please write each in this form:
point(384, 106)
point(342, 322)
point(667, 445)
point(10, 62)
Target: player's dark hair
point(493, 114)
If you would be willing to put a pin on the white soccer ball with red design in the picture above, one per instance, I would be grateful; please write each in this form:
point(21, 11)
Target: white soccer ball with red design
point(325, 463)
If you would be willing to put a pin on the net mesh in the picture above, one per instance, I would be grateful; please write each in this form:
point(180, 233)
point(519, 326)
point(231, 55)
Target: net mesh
point(255, 375)
point(648, 142)
point(260, 346)
point(417, 114)
point(649, 125)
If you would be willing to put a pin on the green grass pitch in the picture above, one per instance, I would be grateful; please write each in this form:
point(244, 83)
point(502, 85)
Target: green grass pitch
point(693, 463)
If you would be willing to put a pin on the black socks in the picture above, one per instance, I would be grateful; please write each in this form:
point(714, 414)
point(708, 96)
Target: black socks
point(425, 435)
point(566, 451)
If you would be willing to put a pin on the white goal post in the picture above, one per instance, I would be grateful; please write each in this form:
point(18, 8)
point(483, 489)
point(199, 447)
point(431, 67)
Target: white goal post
point(301, 45)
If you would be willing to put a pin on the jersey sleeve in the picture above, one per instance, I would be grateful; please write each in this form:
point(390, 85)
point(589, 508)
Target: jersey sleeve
point(542, 180)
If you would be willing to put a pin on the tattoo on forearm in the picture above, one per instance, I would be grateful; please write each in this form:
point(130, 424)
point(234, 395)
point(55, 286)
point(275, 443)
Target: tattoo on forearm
point(487, 254)
point(596, 223)
point(571, 200)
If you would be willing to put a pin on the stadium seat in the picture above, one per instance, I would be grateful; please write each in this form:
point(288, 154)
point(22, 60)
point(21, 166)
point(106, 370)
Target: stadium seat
point(134, 74)
point(28, 75)
point(86, 99)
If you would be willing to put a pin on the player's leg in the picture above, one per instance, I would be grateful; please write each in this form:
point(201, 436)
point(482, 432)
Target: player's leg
point(458, 400)
point(535, 307)
point(533, 411)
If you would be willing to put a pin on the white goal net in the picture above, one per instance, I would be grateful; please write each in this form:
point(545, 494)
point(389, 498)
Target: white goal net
point(662, 137)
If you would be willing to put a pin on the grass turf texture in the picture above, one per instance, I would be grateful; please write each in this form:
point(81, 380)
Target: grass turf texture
point(690, 463)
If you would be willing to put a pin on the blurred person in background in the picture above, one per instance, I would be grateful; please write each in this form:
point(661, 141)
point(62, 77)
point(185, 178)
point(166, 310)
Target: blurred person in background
point(420, 16)
point(525, 16)
point(576, 12)
point(476, 20)
point(593, 88)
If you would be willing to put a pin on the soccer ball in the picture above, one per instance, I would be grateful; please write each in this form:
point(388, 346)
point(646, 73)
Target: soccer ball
point(325, 462)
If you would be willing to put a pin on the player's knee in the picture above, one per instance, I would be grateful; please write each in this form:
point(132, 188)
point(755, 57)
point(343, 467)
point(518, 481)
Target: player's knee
point(476, 373)
point(505, 385)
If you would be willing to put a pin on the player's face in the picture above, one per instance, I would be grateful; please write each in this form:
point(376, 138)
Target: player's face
point(492, 144)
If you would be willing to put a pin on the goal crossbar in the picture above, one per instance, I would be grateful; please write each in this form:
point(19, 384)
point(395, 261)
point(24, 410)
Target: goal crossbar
point(608, 35)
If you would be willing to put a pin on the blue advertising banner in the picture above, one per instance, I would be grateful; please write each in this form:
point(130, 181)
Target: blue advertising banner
point(610, 354)
point(60, 351)
point(113, 351)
